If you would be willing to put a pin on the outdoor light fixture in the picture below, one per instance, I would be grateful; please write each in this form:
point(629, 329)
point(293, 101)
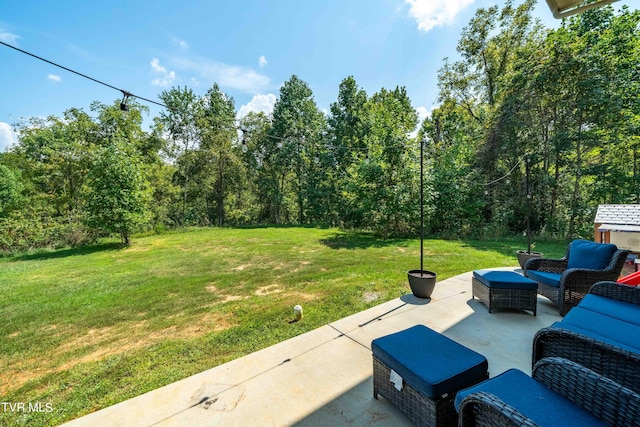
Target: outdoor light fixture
point(123, 104)
point(245, 148)
point(563, 8)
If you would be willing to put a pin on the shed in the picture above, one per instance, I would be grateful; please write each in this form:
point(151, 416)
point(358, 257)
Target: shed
point(618, 224)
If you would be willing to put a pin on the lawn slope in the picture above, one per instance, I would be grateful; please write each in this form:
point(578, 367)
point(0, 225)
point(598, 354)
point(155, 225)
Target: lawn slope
point(85, 328)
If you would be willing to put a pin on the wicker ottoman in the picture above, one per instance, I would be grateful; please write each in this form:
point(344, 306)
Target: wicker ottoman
point(420, 371)
point(505, 289)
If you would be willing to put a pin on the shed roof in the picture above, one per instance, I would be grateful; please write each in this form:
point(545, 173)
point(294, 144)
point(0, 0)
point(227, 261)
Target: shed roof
point(618, 214)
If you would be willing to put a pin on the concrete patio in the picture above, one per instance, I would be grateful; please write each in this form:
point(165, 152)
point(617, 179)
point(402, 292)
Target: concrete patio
point(324, 377)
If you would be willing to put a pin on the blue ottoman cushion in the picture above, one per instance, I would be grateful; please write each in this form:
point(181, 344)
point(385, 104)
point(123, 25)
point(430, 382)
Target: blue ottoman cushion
point(504, 280)
point(433, 364)
point(532, 399)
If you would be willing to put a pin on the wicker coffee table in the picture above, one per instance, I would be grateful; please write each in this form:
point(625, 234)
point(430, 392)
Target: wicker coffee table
point(505, 290)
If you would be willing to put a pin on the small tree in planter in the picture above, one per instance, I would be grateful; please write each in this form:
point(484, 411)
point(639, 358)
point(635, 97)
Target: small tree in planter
point(523, 256)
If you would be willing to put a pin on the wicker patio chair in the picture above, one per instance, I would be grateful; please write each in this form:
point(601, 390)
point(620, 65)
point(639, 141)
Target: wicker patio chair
point(567, 280)
point(606, 358)
point(601, 397)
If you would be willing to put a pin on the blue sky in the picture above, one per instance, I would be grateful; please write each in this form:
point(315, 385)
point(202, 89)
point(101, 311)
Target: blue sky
point(249, 47)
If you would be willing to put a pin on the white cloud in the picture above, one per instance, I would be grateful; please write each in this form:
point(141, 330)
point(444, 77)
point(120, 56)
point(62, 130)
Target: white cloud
point(228, 76)
point(259, 103)
point(7, 136)
point(429, 13)
point(262, 61)
point(179, 42)
point(423, 113)
point(54, 78)
point(165, 78)
point(8, 37)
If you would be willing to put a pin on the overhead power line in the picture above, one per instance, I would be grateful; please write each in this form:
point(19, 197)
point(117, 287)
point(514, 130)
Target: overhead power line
point(507, 174)
point(124, 92)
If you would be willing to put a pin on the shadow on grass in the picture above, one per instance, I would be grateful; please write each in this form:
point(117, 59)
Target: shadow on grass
point(358, 240)
point(63, 253)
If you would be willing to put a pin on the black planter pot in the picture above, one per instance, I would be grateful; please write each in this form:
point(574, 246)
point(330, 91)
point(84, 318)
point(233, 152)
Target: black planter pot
point(422, 282)
point(524, 256)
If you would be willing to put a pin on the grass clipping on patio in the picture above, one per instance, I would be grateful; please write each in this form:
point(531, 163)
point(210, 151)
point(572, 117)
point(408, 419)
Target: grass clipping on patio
point(86, 328)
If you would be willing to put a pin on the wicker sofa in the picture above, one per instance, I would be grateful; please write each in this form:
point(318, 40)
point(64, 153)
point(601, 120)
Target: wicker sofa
point(567, 280)
point(561, 393)
point(601, 333)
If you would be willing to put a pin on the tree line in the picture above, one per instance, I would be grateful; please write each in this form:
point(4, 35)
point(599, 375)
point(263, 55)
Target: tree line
point(563, 102)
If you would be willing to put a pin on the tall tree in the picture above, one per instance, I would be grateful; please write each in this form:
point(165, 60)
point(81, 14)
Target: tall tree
point(297, 126)
point(257, 189)
point(455, 200)
point(218, 132)
point(349, 126)
point(178, 125)
point(118, 196)
point(487, 46)
point(55, 157)
point(385, 185)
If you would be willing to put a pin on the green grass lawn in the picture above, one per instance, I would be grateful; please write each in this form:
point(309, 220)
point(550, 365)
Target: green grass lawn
point(83, 329)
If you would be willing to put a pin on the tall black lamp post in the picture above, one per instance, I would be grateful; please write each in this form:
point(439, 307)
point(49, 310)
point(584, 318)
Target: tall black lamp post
point(523, 256)
point(422, 281)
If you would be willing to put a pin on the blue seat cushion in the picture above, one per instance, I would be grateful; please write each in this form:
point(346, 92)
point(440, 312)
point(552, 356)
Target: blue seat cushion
point(431, 363)
point(591, 255)
point(604, 339)
point(603, 327)
point(532, 399)
point(504, 280)
point(613, 308)
point(551, 279)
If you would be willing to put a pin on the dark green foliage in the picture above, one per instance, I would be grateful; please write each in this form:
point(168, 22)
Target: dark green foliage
point(118, 194)
point(10, 190)
point(567, 98)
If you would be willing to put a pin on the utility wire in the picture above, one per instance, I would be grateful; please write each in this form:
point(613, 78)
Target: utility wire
point(506, 175)
point(124, 92)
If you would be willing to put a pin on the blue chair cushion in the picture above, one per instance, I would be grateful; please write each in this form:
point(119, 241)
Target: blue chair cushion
point(431, 363)
point(504, 280)
point(604, 339)
point(551, 279)
point(613, 308)
point(591, 255)
point(603, 327)
point(532, 399)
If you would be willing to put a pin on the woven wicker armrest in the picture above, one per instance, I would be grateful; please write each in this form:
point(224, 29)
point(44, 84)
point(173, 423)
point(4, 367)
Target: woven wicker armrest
point(581, 279)
point(485, 409)
point(617, 261)
point(619, 364)
point(547, 264)
point(600, 396)
point(617, 291)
